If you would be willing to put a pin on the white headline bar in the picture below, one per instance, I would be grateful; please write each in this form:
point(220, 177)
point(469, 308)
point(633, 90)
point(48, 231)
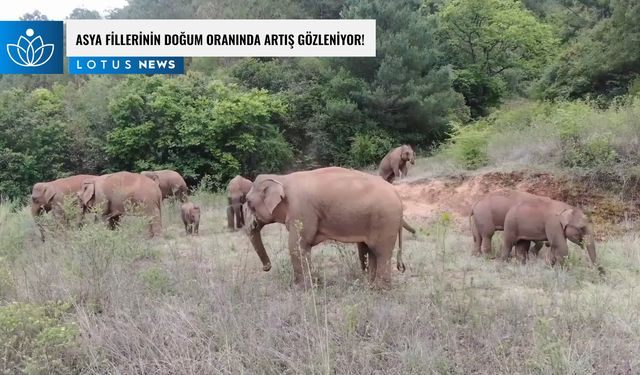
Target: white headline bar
point(221, 38)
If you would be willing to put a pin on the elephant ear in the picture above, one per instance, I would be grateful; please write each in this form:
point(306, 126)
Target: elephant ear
point(88, 191)
point(565, 217)
point(48, 192)
point(273, 195)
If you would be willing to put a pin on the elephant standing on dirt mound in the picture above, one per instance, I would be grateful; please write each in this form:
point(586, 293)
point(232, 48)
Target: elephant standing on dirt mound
point(394, 164)
point(170, 182)
point(114, 192)
point(547, 220)
point(50, 196)
point(236, 193)
point(328, 204)
point(487, 217)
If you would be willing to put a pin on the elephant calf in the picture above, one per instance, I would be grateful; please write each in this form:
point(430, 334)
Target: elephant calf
point(487, 217)
point(548, 220)
point(394, 163)
point(190, 217)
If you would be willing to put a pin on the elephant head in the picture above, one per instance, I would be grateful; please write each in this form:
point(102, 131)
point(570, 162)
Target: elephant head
point(263, 199)
point(407, 154)
point(577, 229)
point(41, 197)
point(264, 205)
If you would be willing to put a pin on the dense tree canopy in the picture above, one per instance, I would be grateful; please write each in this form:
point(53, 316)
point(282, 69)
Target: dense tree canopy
point(438, 62)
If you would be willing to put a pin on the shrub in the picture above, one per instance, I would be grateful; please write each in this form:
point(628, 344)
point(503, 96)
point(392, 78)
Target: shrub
point(37, 339)
point(369, 148)
point(468, 145)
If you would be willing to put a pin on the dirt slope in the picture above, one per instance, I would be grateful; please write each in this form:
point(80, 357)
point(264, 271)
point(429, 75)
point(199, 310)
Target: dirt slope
point(426, 199)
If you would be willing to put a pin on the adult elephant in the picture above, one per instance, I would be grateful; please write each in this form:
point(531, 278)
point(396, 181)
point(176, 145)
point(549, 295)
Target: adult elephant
point(487, 217)
point(114, 193)
point(394, 164)
point(170, 182)
point(49, 197)
point(237, 190)
point(548, 220)
point(328, 204)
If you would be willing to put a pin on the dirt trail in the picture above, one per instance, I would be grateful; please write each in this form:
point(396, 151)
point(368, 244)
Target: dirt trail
point(427, 199)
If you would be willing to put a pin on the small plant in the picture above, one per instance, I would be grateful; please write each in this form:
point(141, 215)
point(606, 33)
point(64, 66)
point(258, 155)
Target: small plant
point(37, 339)
point(156, 279)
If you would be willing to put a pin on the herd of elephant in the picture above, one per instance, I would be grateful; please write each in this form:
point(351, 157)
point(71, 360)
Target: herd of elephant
point(330, 203)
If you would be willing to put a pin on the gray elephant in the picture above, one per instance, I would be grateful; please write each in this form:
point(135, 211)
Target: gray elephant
point(49, 197)
point(170, 182)
point(190, 214)
point(328, 204)
point(487, 217)
point(237, 190)
point(114, 192)
point(394, 164)
point(547, 220)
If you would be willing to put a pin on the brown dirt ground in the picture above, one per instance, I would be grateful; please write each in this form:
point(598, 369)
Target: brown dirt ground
point(426, 199)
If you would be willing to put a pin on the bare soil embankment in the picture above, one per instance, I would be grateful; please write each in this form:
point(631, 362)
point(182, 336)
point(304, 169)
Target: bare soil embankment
point(426, 199)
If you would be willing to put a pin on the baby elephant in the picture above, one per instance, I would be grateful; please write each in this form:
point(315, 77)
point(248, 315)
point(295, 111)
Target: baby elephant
point(548, 220)
point(190, 217)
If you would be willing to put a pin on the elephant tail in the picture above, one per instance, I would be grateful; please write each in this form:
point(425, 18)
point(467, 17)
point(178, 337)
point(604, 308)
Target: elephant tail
point(408, 227)
point(399, 263)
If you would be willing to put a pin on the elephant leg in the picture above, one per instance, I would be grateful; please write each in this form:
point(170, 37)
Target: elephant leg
point(486, 243)
point(300, 251)
point(522, 249)
point(507, 245)
point(404, 170)
point(363, 250)
point(186, 228)
point(230, 223)
point(383, 268)
point(237, 210)
point(372, 266)
point(477, 239)
point(396, 171)
point(196, 227)
point(537, 245)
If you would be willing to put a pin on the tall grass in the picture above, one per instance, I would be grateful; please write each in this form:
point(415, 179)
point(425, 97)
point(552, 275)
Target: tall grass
point(202, 305)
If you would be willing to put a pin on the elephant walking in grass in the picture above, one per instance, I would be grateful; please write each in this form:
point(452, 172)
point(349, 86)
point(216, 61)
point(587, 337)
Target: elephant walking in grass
point(190, 214)
point(548, 220)
point(487, 217)
point(237, 190)
point(394, 163)
point(113, 193)
point(49, 197)
point(170, 182)
point(328, 204)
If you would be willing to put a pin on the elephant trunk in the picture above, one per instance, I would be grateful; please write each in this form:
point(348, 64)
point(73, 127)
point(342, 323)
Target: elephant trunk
point(252, 229)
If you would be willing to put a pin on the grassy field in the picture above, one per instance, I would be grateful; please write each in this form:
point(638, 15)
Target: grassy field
point(94, 301)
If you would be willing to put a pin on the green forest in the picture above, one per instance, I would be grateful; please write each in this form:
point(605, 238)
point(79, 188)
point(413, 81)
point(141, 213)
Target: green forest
point(444, 68)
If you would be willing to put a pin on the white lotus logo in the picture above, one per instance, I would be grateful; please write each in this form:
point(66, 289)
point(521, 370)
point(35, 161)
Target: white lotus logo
point(30, 52)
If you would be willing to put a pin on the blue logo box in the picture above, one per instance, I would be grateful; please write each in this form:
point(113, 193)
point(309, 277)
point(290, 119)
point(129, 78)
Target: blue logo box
point(31, 47)
point(126, 65)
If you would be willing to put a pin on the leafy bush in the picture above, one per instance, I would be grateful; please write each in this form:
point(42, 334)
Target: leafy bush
point(468, 145)
point(37, 339)
point(369, 148)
